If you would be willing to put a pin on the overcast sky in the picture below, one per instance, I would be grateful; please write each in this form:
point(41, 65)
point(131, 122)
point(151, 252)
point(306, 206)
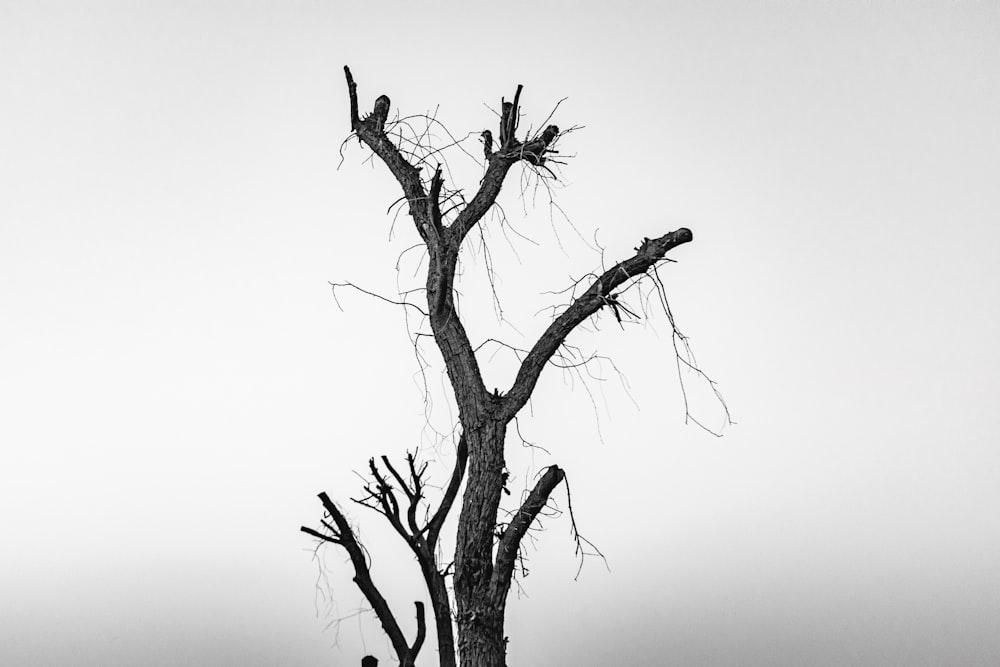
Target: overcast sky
point(177, 383)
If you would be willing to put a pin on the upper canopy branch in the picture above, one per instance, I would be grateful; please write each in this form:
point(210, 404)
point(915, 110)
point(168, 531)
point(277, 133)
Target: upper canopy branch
point(510, 150)
point(598, 295)
point(485, 197)
point(444, 242)
point(371, 130)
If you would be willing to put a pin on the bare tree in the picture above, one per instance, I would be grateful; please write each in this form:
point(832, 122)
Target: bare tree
point(487, 549)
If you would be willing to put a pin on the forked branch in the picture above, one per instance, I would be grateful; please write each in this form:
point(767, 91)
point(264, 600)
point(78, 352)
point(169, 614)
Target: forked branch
point(510, 150)
point(422, 540)
point(443, 243)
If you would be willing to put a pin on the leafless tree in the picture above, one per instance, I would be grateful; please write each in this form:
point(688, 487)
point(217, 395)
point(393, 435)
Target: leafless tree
point(487, 548)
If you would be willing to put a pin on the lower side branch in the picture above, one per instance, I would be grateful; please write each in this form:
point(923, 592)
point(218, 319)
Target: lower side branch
point(341, 533)
point(510, 540)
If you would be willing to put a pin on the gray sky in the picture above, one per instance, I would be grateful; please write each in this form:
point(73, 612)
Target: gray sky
point(177, 383)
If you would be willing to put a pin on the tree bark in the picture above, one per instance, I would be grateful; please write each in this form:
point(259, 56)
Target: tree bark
point(480, 619)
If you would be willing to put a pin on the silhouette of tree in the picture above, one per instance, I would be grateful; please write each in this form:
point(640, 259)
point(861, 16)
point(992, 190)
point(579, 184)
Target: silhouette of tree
point(487, 549)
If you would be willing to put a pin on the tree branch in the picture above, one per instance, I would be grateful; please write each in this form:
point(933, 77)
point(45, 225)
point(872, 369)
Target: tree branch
point(315, 533)
point(437, 521)
point(421, 632)
point(352, 91)
point(499, 164)
point(437, 182)
point(362, 576)
point(371, 130)
point(507, 154)
point(423, 548)
point(443, 243)
point(463, 368)
point(598, 295)
point(387, 500)
point(411, 513)
point(513, 117)
point(510, 540)
point(402, 483)
point(453, 341)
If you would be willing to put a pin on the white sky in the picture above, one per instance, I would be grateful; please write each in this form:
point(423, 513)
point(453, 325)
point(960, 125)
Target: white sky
point(177, 384)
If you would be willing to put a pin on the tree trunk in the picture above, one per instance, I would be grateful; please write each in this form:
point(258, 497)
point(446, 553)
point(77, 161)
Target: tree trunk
point(480, 638)
point(480, 614)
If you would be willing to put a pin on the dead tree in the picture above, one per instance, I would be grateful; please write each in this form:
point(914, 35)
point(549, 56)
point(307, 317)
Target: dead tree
point(486, 553)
